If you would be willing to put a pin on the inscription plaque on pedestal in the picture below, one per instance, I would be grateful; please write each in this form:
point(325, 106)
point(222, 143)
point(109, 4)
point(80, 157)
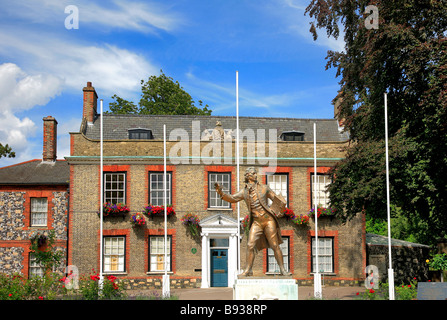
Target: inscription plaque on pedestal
point(432, 291)
point(265, 289)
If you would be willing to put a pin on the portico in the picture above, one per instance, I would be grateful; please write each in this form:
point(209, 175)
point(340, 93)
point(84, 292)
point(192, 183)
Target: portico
point(219, 251)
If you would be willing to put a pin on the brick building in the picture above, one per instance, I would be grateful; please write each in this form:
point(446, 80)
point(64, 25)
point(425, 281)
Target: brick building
point(200, 151)
point(33, 199)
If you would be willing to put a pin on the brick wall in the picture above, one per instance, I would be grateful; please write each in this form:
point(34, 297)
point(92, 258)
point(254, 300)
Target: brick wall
point(190, 195)
point(15, 228)
point(49, 139)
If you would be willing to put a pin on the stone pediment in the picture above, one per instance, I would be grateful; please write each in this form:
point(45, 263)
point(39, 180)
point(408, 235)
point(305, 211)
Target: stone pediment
point(218, 221)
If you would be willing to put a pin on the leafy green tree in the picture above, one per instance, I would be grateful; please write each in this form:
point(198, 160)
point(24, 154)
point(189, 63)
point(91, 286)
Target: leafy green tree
point(160, 95)
point(405, 57)
point(6, 151)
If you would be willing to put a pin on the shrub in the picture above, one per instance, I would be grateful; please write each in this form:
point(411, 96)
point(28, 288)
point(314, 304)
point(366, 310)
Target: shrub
point(89, 288)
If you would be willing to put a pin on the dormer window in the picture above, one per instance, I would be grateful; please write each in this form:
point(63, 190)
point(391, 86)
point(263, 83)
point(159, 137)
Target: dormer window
point(140, 133)
point(292, 136)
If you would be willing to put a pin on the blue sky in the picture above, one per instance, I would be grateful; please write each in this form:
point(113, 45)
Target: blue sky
point(44, 65)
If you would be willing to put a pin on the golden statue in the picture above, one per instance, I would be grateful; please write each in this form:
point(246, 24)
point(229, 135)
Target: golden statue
point(263, 222)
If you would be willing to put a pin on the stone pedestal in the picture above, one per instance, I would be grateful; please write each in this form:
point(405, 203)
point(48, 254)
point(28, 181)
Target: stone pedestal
point(262, 288)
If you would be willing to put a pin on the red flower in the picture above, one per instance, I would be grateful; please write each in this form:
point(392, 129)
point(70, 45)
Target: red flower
point(371, 291)
point(94, 277)
point(111, 278)
point(40, 298)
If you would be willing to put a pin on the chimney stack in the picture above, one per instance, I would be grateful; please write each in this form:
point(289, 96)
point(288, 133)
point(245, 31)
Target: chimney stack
point(49, 139)
point(90, 99)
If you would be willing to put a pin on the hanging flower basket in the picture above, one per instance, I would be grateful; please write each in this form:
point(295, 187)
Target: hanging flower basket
point(245, 226)
point(159, 211)
point(192, 222)
point(39, 239)
point(114, 210)
point(322, 212)
point(137, 219)
point(302, 219)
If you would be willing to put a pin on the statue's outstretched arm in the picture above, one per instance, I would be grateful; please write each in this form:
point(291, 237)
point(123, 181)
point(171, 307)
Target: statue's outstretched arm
point(232, 198)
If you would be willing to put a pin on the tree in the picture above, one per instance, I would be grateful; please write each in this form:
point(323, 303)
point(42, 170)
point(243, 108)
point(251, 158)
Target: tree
point(160, 95)
point(6, 151)
point(405, 57)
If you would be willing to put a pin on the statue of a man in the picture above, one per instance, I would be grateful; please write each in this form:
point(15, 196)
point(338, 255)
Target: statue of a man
point(263, 223)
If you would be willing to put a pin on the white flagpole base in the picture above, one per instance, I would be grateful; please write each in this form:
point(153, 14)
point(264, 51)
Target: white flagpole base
point(100, 284)
point(166, 292)
point(317, 286)
point(391, 283)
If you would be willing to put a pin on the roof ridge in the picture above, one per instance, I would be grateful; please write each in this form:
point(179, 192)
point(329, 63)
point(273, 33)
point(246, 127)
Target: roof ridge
point(20, 163)
point(213, 116)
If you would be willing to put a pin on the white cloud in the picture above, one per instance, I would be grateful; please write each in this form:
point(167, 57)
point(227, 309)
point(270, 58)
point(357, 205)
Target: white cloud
point(20, 91)
point(143, 17)
point(146, 17)
point(110, 68)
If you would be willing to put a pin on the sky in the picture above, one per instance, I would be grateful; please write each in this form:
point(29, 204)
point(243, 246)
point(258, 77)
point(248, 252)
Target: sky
point(50, 49)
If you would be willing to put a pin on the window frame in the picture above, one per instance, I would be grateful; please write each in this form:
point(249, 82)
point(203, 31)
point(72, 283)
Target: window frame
point(292, 136)
point(271, 257)
point(211, 190)
point(331, 255)
point(268, 175)
point(326, 197)
point(33, 265)
point(105, 190)
point(44, 213)
point(170, 254)
point(139, 132)
point(169, 189)
point(106, 237)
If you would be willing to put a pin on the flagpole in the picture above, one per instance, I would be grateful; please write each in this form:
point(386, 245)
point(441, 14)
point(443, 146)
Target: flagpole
point(390, 269)
point(166, 284)
point(317, 275)
point(101, 196)
point(237, 176)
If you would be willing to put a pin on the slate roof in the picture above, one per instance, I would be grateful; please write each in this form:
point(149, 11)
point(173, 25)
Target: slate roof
point(36, 172)
point(378, 240)
point(116, 126)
